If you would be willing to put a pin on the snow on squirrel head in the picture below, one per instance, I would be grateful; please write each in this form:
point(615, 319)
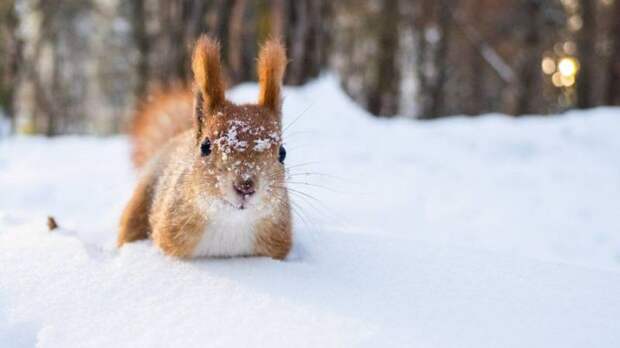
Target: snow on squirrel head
point(239, 147)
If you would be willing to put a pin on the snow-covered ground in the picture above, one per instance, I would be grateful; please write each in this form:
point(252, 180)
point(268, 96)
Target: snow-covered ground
point(487, 232)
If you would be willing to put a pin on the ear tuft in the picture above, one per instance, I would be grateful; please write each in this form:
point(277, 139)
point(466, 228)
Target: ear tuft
point(271, 65)
point(208, 72)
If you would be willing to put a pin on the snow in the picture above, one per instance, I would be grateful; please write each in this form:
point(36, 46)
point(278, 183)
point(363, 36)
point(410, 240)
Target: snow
point(229, 140)
point(486, 232)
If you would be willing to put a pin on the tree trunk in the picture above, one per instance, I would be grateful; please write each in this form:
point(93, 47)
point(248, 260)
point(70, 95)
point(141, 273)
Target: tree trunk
point(476, 83)
point(419, 15)
point(142, 42)
point(235, 41)
point(586, 52)
point(384, 94)
point(437, 93)
point(613, 86)
point(223, 12)
point(10, 48)
point(474, 97)
point(423, 97)
point(305, 38)
point(298, 26)
point(529, 67)
point(277, 18)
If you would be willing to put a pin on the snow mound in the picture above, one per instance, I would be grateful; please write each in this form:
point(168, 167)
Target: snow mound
point(484, 233)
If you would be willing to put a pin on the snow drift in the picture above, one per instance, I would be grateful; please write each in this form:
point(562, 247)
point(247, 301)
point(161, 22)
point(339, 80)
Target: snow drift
point(462, 232)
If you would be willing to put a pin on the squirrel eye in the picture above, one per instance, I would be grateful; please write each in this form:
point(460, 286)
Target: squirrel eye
point(205, 147)
point(282, 154)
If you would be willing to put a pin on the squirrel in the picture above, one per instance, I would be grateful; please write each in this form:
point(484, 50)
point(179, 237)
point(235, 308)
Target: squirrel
point(212, 184)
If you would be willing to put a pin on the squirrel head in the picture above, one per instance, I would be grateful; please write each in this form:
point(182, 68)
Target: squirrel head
point(238, 149)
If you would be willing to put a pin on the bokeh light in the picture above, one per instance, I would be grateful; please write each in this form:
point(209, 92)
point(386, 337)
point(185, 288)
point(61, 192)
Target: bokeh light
point(548, 65)
point(568, 66)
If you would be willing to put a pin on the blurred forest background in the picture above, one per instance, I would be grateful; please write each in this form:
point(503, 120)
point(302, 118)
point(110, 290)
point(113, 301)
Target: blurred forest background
point(80, 66)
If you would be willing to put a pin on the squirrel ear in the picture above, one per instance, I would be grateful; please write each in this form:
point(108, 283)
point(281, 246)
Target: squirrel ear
point(271, 65)
point(199, 117)
point(208, 72)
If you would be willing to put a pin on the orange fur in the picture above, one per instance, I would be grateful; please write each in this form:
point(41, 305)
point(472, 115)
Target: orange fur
point(187, 201)
point(271, 65)
point(208, 72)
point(163, 116)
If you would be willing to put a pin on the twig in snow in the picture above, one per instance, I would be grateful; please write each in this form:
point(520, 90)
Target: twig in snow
point(51, 223)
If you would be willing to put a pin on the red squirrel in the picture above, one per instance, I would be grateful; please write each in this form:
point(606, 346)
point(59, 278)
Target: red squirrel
point(213, 184)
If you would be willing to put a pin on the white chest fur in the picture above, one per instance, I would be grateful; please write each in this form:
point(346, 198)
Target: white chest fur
point(229, 232)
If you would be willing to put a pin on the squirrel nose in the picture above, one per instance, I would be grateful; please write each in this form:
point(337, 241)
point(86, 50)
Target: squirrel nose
point(244, 187)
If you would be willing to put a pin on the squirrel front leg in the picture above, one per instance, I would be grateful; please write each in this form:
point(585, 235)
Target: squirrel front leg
point(274, 237)
point(134, 223)
point(177, 227)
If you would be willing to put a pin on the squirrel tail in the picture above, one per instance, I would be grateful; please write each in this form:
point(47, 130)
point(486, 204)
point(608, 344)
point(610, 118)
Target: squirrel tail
point(162, 116)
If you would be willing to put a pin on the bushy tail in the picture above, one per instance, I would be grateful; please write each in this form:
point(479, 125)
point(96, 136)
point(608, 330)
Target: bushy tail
point(162, 116)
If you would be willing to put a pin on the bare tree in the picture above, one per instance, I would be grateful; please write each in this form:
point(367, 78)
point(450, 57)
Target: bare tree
point(459, 56)
point(418, 20)
point(222, 15)
point(528, 68)
point(305, 39)
point(586, 40)
point(613, 86)
point(179, 22)
point(43, 109)
point(142, 42)
point(10, 55)
point(383, 95)
point(438, 86)
point(235, 42)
